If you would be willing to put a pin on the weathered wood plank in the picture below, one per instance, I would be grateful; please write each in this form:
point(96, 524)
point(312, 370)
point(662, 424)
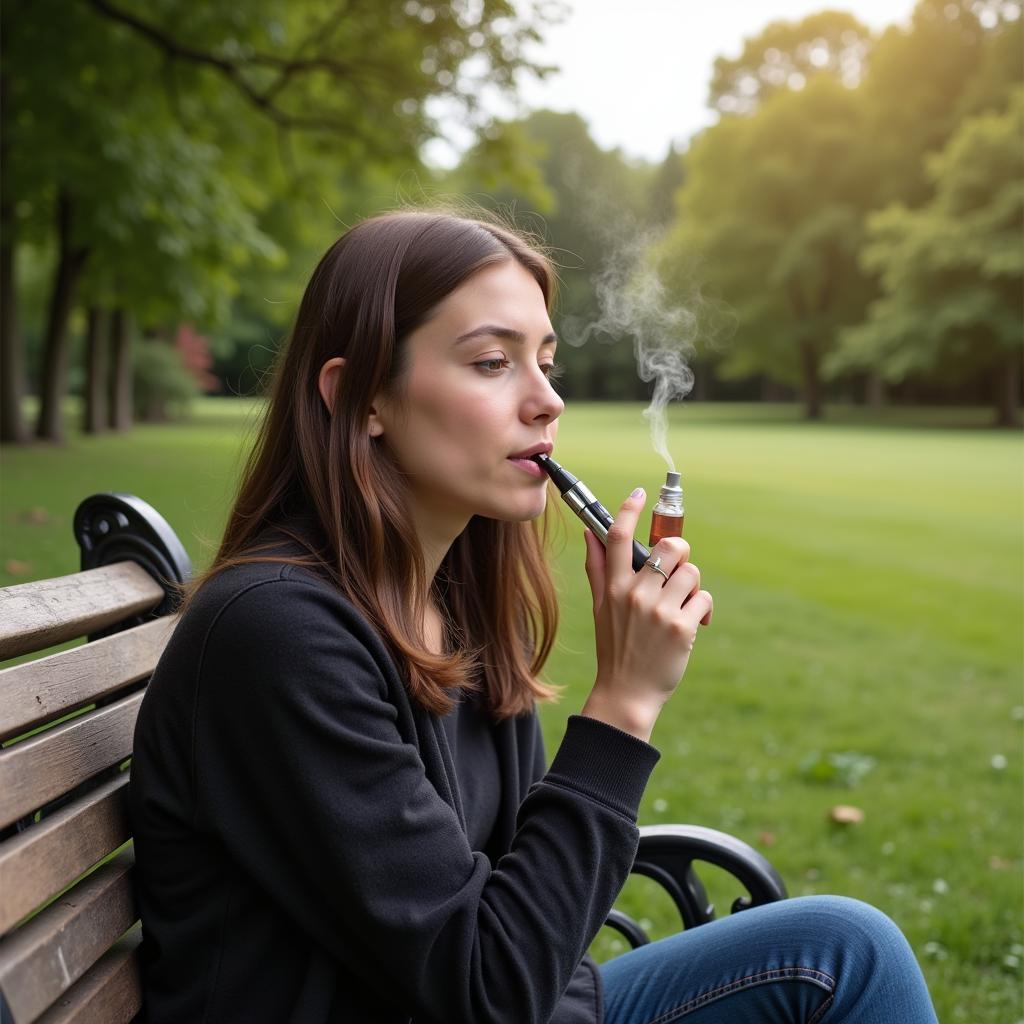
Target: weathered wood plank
point(111, 993)
point(45, 957)
point(50, 855)
point(42, 690)
point(46, 766)
point(37, 615)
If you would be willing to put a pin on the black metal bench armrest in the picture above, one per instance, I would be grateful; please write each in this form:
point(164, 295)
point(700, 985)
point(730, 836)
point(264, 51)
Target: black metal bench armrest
point(666, 854)
point(116, 527)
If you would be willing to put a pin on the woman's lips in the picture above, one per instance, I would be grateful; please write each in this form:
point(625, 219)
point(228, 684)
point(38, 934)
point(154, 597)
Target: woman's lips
point(529, 466)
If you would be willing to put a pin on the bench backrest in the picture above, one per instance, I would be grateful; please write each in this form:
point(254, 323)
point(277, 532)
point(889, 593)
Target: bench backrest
point(68, 920)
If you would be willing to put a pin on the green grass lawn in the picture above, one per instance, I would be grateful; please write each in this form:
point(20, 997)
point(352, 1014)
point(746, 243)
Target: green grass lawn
point(866, 646)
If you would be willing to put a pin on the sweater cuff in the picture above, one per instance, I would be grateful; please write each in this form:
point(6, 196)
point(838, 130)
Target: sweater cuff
point(604, 763)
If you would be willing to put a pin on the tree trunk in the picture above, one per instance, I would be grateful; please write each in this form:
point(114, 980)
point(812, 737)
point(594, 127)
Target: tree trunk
point(12, 351)
point(874, 391)
point(97, 416)
point(1008, 385)
point(809, 364)
point(121, 378)
point(70, 263)
point(701, 382)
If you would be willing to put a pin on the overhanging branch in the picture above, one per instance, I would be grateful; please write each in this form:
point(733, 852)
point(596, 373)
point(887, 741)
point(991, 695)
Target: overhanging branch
point(234, 69)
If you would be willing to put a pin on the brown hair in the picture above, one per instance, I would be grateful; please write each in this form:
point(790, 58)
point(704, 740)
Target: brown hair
point(375, 285)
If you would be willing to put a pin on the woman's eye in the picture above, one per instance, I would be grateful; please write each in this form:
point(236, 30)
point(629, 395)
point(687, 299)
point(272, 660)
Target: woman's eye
point(492, 366)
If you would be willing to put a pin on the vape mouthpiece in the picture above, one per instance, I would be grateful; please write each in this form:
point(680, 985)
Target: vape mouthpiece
point(579, 497)
point(672, 479)
point(560, 477)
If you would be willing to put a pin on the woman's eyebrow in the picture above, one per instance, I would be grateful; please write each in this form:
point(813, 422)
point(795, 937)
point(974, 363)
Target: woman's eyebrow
point(506, 333)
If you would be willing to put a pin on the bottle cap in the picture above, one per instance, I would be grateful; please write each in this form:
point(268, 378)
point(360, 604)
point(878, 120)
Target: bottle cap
point(670, 500)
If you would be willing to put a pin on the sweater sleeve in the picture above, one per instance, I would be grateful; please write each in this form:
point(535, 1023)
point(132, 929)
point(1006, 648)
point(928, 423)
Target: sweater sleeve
point(300, 768)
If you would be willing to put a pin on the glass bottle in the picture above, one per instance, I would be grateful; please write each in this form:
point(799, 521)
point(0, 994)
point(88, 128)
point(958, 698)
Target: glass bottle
point(667, 517)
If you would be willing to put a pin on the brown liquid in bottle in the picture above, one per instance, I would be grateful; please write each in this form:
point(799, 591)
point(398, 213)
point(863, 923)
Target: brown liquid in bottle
point(665, 526)
point(668, 515)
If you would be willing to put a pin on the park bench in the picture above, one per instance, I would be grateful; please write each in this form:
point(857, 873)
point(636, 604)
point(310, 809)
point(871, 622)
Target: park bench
point(69, 929)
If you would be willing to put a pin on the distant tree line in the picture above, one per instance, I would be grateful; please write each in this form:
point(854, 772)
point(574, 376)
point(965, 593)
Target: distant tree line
point(857, 211)
point(849, 228)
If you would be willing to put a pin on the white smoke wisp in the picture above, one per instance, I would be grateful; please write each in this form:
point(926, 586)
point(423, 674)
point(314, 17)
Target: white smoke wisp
point(635, 304)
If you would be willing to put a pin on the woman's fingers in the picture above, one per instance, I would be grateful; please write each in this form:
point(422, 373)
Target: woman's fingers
point(684, 585)
point(619, 564)
point(697, 611)
point(595, 566)
point(670, 553)
point(683, 582)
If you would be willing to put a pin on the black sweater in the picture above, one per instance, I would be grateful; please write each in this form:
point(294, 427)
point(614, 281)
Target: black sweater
point(302, 848)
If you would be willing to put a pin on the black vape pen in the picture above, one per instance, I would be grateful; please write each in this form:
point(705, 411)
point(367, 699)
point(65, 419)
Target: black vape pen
point(579, 497)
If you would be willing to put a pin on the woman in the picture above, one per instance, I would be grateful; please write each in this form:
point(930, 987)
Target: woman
point(339, 791)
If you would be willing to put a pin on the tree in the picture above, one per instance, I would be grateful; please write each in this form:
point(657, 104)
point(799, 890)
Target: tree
point(101, 118)
point(771, 218)
point(786, 55)
point(591, 205)
point(668, 180)
point(952, 272)
point(913, 93)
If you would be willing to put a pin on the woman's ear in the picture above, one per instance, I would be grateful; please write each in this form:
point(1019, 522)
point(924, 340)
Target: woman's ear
point(376, 427)
point(327, 382)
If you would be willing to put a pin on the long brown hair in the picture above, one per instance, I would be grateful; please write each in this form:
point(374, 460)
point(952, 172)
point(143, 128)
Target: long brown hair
point(375, 285)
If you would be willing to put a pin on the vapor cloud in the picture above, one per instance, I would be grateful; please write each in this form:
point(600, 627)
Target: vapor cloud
point(636, 305)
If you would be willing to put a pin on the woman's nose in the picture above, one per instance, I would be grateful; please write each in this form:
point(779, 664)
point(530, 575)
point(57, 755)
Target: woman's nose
point(543, 401)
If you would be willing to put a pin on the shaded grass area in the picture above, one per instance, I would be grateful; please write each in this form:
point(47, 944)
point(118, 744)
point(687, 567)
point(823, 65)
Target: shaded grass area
point(866, 647)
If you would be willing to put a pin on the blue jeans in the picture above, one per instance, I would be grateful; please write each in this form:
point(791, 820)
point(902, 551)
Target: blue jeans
point(823, 959)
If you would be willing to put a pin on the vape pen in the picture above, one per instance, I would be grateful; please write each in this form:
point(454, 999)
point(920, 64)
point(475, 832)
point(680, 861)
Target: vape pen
point(579, 497)
point(667, 517)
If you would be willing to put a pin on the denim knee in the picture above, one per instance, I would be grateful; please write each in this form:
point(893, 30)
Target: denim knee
point(872, 958)
point(857, 923)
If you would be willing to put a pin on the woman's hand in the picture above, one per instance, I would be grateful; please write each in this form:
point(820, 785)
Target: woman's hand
point(645, 625)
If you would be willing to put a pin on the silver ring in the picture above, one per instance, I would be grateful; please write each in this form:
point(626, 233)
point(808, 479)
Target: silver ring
point(655, 566)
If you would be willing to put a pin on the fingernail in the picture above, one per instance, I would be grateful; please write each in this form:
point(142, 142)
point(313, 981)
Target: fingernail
point(637, 492)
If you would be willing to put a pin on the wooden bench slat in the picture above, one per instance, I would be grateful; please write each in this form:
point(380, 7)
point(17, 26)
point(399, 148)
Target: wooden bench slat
point(50, 855)
point(45, 957)
point(110, 993)
point(42, 690)
point(37, 615)
point(41, 768)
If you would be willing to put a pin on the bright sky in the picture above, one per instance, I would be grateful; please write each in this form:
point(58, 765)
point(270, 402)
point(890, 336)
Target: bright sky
point(638, 70)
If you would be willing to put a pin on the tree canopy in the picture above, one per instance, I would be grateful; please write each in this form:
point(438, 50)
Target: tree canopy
point(952, 271)
point(164, 150)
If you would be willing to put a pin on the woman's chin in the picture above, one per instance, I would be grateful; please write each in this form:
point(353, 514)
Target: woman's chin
point(520, 512)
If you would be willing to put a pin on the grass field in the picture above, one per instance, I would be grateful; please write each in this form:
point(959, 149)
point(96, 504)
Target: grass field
point(866, 647)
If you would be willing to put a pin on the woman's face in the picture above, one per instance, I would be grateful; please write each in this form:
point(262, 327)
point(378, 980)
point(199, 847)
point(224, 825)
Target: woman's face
point(475, 392)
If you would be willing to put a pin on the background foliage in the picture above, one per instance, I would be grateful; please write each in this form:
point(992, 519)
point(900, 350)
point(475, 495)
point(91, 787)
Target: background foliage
point(849, 229)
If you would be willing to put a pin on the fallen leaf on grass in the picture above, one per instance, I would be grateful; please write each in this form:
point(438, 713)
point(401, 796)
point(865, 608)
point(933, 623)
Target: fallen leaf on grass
point(37, 516)
point(766, 838)
point(16, 568)
point(846, 814)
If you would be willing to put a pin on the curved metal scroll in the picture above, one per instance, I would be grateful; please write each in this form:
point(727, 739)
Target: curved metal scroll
point(667, 854)
point(121, 527)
